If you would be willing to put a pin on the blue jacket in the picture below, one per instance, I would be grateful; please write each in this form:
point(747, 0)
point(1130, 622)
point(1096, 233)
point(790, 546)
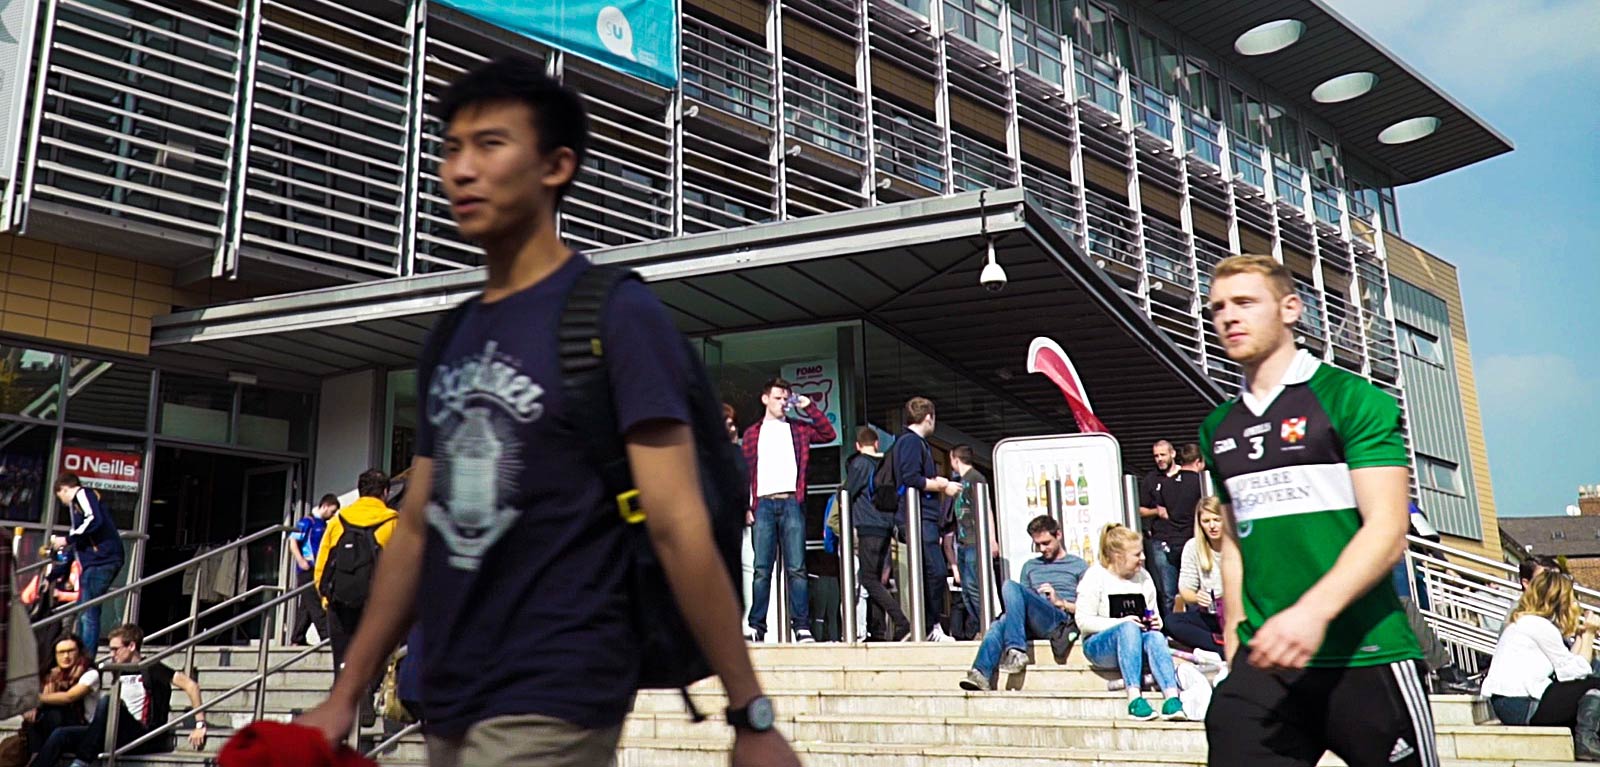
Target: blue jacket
point(913, 467)
point(93, 534)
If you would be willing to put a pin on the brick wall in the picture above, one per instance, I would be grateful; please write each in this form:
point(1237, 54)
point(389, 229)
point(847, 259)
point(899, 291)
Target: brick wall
point(79, 298)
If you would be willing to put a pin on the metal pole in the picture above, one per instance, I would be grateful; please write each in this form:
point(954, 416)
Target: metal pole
point(261, 665)
point(780, 593)
point(986, 537)
point(114, 713)
point(919, 613)
point(194, 626)
point(1130, 502)
point(847, 569)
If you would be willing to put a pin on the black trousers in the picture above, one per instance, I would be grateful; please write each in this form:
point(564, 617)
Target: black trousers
point(342, 623)
point(1371, 716)
point(872, 551)
point(310, 612)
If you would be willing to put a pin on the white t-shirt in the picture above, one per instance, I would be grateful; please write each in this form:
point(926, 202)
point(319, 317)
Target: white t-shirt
point(90, 702)
point(1094, 596)
point(1530, 650)
point(134, 696)
point(776, 471)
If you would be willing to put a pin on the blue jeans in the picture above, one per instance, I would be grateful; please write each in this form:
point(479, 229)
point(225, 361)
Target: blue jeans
point(94, 582)
point(779, 521)
point(1165, 574)
point(967, 562)
point(1027, 616)
point(1126, 648)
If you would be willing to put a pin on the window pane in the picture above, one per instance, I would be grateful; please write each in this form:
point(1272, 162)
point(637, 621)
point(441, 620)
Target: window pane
point(24, 457)
point(1324, 161)
point(402, 419)
point(195, 408)
point(30, 382)
point(274, 420)
point(1284, 132)
point(108, 394)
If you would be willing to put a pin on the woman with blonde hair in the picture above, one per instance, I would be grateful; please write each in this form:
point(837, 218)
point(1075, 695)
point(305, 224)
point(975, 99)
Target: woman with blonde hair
point(1200, 582)
point(1118, 640)
point(1532, 651)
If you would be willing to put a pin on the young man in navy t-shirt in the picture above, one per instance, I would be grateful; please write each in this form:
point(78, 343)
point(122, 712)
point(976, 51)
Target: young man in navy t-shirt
point(529, 656)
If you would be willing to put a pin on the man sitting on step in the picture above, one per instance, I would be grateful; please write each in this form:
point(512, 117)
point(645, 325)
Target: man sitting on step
point(146, 701)
point(1041, 606)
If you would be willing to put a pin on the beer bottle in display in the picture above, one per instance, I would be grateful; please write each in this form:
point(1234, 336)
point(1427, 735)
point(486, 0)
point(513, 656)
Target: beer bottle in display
point(1072, 496)
point(1083, 487)
point(1033, 490)
point(1046, 498)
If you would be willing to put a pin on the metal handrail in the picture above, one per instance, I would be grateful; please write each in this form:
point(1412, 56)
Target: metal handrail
point(264, 610)
point(393, 739)
point(142, 582)
point(210, 610)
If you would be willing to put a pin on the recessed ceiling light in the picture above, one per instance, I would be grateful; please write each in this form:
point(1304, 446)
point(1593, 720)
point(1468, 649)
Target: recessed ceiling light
point(1344, 87)
point(1270, 37)
point(1409, 130)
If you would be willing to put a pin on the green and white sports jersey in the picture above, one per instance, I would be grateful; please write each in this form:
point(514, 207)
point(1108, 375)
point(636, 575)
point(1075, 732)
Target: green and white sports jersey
point(1284, 465)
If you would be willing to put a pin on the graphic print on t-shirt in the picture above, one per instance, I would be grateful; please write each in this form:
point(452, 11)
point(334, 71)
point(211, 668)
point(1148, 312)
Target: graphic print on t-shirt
point(475, 406)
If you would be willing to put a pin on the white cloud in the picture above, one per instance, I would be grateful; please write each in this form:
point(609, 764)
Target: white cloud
point(1484, 49)
point(1525, 384)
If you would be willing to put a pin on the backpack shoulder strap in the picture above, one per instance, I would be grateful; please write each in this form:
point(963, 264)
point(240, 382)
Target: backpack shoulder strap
point(433, 347)
point(585, 380)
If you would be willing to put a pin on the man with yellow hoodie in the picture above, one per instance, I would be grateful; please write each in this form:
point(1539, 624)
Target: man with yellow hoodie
point(349, 555)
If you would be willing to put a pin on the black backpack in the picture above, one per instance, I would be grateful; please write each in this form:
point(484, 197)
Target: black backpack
point(347, 575)
point(885, 485)
point(671, 657)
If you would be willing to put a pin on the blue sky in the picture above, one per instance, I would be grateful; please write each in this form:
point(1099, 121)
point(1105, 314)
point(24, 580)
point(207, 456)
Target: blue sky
point(1524, 228)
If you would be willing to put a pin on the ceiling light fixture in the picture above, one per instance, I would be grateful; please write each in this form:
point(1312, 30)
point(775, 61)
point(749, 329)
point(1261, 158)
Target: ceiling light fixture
point(1270, 37)
point(1409, 130)
point(1344, 87)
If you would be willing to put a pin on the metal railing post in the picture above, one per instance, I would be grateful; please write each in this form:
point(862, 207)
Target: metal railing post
point(262, 655)
point(1130, 504)
point(919, 613)
point(194, 625)
point(780, 594)
point(847, 569)
point(113, 715)
point(986, 538)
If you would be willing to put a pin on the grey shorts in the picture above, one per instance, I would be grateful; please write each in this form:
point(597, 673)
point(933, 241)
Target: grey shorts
point(526, 741)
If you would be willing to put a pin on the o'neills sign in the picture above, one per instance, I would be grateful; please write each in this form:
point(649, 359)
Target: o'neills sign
point(103, 469)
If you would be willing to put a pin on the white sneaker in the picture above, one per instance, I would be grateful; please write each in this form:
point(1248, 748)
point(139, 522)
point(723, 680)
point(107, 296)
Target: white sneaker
point(803, 635)
point(1013, 661)
point(938, 635)
point(751, 635)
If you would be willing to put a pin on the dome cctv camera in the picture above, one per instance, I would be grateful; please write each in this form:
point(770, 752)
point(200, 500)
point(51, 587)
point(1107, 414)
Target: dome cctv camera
point(993, 277)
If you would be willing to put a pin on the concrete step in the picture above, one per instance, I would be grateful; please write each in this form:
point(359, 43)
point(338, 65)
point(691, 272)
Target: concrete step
point(1119, 735)
point(960, 704)
point(666, 753)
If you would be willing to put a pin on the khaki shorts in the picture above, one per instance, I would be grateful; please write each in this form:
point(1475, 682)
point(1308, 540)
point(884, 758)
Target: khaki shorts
point(526, 741)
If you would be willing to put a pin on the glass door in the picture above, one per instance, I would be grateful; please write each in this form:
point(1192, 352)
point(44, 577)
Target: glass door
point(268, 500)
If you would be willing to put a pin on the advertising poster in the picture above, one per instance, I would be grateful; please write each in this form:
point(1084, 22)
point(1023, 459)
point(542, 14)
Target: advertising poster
point(103, 470)
point(1075, 478)
point(819, 380)
point(637, 37)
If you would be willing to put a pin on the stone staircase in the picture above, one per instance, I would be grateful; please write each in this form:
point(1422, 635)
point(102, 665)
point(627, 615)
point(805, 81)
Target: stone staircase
point(882, 705)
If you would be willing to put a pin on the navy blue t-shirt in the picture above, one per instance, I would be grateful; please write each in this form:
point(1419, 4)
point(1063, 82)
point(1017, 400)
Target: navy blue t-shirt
point(521, 601)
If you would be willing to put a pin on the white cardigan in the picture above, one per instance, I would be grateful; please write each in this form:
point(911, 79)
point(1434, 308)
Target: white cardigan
point(1529, 651)
point(1094, 596)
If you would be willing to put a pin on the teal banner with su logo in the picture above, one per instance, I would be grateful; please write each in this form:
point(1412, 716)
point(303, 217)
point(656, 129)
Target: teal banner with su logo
point(637, 37)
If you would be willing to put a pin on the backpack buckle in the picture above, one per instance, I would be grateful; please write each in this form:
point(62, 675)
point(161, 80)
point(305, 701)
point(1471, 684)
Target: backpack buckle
point(628, 507)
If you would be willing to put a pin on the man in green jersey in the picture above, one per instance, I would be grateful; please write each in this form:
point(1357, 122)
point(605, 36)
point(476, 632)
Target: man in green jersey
point(1314, 468)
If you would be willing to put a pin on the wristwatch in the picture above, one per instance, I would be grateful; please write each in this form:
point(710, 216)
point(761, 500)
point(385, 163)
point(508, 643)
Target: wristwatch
point(756, 716)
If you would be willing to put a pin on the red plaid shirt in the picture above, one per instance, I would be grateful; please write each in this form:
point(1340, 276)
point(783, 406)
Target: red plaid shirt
point(819, 431)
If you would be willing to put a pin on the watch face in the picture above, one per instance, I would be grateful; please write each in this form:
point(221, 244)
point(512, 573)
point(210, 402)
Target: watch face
point(761, 715)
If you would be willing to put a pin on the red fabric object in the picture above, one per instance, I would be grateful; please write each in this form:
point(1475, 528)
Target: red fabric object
point(273, 744)
point(1047, 357)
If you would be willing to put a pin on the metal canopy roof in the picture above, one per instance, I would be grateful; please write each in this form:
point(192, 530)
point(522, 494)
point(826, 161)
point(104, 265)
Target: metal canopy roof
point(910, 270)
point(1332, 46)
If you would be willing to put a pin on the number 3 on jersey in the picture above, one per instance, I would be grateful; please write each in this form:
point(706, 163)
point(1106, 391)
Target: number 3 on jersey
point(1257, 448)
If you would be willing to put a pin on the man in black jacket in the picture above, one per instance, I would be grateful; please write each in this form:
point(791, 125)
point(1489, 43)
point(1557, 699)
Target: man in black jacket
point(874, 532)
